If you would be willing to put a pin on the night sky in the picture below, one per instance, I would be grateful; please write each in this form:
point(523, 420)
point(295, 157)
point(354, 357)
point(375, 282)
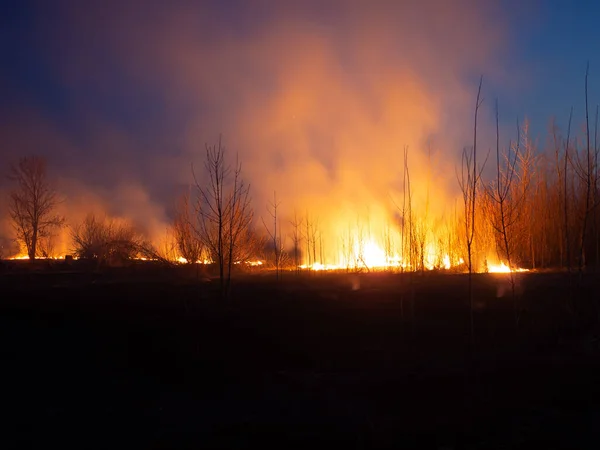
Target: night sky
point(318, 99)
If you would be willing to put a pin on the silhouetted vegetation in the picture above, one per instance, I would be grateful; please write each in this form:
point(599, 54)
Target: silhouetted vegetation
point(32, 206)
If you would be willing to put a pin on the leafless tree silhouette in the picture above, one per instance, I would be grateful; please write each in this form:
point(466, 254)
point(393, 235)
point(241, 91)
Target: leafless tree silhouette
point(109, 240)
point(187, 243)
point(275, 234)
point(468, 180)
point(224, 213)
point(32, 203)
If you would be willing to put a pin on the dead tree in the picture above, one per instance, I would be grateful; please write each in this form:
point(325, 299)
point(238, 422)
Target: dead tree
point(274, 234)
point(296, 240)
point(311, 232)
point(596, 194)
point(403, 212)
point(468, 180)
point(407, 225)
point(187, 243)
point(315, 231)
point(241, 239)
point(360, 247)
point(507, 208)
point(566, 193)
point(32, 204)
point(224, 213)
point(585, 171)
point(525, 191)
point(307, 238)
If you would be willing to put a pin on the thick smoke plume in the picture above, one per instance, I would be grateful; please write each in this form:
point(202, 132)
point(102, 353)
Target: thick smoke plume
point(318, 99)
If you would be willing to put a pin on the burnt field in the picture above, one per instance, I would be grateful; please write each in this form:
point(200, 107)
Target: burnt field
point(150, 358)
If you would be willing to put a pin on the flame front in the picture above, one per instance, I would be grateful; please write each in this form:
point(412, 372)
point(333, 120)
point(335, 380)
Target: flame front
point(392, 248)
point(503, 268)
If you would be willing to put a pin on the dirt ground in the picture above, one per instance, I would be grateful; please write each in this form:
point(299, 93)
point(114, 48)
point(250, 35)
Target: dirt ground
point(147, 358)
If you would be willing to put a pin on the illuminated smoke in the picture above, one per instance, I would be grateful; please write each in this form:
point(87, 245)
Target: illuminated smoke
point(317, 98)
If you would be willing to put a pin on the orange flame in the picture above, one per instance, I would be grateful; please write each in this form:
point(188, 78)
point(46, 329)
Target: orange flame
point(503, 268)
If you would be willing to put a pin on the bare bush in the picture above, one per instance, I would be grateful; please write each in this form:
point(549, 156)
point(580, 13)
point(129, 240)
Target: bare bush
point(187, 242)
point(108, 240)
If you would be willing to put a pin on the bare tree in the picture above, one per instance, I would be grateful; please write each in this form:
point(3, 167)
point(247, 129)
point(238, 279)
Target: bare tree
point(422, 227)
point(311, 231)
point(403, 212)
point(507, 208)
point(187, 243)
point(469, 177)
point(239, 222)
point(596, 200)
point(586, 173)
point(224, 213)
point(33, 203)
point(525, 191)
point(273, 234)
point(566, 193)
point(315, 232)
point(296, 240)
point(407, 222)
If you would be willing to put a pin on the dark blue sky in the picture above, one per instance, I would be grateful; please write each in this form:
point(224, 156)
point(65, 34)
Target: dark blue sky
point(552, 47)
point(116, 92)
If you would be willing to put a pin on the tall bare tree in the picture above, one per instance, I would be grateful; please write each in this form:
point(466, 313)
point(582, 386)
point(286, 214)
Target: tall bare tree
point(596, 200)
point(32, 203)
point(507, 203)
point(468, 180)
point(566, 192)
point(584, 168)
point(296, 240)
point(224, 213)
point(274, 233)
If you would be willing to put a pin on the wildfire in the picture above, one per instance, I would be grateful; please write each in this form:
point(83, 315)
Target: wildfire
point(372, 256)
point(503, 268)
point(182, 260)
point(320, 266)
point(256, 263)
point(19, 257)
point(24, 257)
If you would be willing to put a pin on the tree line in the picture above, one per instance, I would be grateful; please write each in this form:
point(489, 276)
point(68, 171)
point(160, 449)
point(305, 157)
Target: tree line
point(539, 210)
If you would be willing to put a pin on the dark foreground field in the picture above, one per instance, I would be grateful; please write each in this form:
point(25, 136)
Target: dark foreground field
point(138, 361)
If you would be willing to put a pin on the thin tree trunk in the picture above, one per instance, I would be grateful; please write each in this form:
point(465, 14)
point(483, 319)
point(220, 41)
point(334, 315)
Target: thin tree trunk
point(588, 180)
point(566, 194)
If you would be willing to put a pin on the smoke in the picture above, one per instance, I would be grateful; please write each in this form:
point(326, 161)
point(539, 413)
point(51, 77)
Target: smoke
point(318, 100)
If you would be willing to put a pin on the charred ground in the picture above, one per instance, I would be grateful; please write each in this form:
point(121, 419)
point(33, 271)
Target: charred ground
point(148, 357)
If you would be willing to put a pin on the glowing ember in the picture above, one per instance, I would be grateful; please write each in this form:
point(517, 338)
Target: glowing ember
point(255, 263)
point(182, 260)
